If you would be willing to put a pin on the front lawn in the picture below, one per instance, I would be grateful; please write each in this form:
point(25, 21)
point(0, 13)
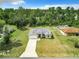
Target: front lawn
point(60, 46)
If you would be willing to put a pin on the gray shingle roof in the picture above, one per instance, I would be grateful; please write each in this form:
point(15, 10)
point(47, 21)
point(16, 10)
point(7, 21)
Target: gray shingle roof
point(40, 31)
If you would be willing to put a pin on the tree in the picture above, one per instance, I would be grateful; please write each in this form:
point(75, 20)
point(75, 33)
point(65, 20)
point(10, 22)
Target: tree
point(20, 19)
point(32, 21)
point(21, 23)
point(5, 40)
point(2, 23)
point(1, 13)
point(6, 35)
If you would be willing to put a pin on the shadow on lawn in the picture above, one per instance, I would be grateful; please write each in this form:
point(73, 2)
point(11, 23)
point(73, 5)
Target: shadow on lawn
point(16, 43)
point(23, 28)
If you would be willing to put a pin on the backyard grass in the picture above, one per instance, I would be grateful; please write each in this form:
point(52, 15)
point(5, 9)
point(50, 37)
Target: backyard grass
point(60, 46)
point(21, 36)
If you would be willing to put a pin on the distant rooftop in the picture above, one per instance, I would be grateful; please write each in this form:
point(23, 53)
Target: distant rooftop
point(70, 30)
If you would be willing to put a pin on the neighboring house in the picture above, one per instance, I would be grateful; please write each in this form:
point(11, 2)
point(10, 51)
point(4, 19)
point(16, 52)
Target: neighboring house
point(71, 31)
point(40, 33)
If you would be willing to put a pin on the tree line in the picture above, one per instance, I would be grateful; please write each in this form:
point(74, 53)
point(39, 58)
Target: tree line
point(36, 17)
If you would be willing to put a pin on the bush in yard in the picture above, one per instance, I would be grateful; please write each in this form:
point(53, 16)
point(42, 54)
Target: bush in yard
point(76, 44)
point(2, 23)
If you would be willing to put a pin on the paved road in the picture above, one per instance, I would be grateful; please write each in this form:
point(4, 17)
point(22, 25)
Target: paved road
point(30, 49)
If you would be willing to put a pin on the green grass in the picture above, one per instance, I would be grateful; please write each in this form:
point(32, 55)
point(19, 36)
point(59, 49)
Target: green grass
point(22, 36)
point(60, 46)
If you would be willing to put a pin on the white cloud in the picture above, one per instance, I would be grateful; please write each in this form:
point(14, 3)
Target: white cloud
point(76, 6)
point(14, 2)
point(17, 2)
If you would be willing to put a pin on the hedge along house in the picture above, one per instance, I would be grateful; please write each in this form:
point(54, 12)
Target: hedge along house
point(70, 31)
point(41, 33)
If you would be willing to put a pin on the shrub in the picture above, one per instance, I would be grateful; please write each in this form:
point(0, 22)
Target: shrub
point(76, 44)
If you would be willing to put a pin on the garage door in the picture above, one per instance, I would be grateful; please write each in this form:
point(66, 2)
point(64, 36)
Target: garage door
point(33, 37)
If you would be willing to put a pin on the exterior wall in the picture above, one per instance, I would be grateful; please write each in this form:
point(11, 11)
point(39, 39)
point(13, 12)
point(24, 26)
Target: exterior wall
point(70, 34)
point(44, 36)
point(73, 34)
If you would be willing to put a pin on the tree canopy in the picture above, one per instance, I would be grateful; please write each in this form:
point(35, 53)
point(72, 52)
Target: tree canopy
point(36, 17)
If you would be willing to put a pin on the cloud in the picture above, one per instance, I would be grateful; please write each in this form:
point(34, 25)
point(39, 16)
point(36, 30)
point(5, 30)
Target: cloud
point(13, 2)
point(75, 6)
point(18, 2)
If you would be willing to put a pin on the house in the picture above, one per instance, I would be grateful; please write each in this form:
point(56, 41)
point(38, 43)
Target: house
point(40, 33)
point(71, 31)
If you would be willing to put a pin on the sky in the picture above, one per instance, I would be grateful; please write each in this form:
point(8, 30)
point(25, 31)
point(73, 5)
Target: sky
point(42, 4)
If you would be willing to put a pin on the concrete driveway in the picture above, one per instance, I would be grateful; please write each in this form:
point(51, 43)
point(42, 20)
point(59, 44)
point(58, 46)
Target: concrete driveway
point(30, 49)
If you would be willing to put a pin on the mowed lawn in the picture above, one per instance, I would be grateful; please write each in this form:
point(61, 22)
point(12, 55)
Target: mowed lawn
point(21, 36)
point(60, 46)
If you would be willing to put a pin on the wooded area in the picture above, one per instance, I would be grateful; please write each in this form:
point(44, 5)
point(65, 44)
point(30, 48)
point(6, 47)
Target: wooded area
point(37, 17)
